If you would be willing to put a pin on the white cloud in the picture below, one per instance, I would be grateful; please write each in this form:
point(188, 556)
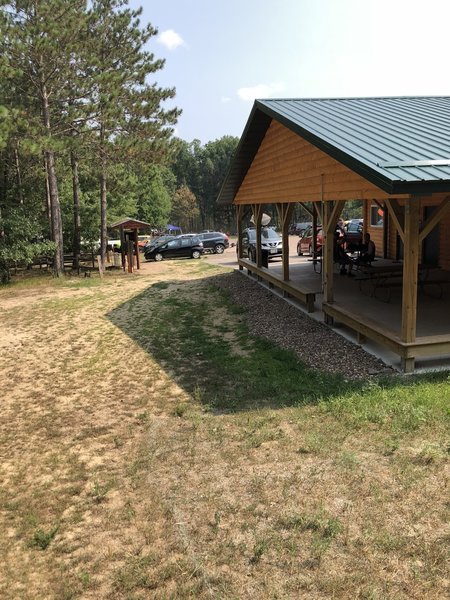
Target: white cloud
point(170, 39)
point(262, 90)
point(225, 99)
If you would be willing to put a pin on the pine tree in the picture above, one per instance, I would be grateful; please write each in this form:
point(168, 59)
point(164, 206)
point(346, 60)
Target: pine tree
point(127, 117)
point(40, 41)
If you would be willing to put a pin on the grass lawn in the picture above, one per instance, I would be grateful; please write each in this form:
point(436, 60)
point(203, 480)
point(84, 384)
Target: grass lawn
point(152, 448)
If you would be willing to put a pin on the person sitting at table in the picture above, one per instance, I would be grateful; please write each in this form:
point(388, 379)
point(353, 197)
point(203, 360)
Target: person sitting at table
point(341, 256)
point(340, 227)
point(366, 250)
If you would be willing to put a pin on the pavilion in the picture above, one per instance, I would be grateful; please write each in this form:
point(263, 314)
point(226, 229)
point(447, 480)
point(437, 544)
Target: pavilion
point(393, 154)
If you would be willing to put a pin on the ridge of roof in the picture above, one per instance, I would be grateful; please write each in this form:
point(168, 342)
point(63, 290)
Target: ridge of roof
point(338, 98)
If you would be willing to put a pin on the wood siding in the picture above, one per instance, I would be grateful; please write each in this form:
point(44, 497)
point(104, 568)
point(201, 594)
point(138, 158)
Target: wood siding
point(287, 168)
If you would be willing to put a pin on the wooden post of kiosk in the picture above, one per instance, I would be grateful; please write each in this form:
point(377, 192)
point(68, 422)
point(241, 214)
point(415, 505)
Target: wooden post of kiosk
point(136, 248)
point(122, 248)
point(129, 251)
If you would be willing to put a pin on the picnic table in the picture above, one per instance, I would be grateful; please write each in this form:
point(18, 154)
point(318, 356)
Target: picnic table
point(380, 280)
point(317, 259)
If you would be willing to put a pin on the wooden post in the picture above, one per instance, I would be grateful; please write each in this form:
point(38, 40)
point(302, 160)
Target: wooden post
point(122, 248)
point(285, 215)
point(314, 238)
point(136, 247)
point(330, 215)
point(327, 254)
point(257, 215)
point(396, 215)
point(239, 215)
point(130, 253)
point(410, 272)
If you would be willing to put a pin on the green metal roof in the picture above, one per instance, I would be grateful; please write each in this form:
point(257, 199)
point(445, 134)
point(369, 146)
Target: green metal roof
point(401, 144)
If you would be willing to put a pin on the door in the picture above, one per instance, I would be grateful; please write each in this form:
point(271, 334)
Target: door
point(173, 249)
point(430, 248)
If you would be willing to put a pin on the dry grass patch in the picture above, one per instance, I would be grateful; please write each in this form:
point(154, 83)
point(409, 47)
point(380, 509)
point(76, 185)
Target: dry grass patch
point(152, 448)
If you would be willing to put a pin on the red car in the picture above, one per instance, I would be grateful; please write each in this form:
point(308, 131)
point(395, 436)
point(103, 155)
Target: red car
point(143, 240)
point(305, 243)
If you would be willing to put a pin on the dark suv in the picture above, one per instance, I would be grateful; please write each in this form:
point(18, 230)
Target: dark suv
point(271, 243)
point(214, 241)
point(353, 234)
point(189, 247)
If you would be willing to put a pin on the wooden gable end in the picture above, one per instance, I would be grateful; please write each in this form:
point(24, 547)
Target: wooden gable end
point(287, 168)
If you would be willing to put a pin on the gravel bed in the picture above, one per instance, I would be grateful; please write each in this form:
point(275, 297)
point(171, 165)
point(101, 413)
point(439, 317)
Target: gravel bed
point(314, 343)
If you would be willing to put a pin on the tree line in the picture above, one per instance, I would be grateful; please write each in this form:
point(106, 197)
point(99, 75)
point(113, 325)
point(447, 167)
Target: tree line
point(85, 135)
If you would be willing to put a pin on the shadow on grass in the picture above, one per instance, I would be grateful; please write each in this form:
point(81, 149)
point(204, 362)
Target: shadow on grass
point(200, 337)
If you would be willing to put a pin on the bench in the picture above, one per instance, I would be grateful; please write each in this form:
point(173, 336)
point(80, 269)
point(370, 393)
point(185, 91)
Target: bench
point(47, 261)
point(390, 277)
point(305, 295)
point(424, 287)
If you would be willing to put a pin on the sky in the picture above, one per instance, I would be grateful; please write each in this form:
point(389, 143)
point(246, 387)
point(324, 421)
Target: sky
point(223, 54)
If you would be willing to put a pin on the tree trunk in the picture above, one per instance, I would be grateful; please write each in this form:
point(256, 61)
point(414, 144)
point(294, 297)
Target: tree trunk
point(55, 208)
point(103, 208)
point(48, 211)
point(58, 262)
point(19, 175)
point(4, 179)
point(76, 211)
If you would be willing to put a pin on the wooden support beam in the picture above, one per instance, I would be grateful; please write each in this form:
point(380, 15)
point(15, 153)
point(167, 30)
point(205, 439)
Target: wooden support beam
point(310, 211)
point(395, 213)
point(378, 203)
point(239, 217)
point(314, 237)
point(257, 215)
point(327, 250)
point(337, 209)
point(285, 214)
point(318, 207)
point(410, 270)
point(434, 219)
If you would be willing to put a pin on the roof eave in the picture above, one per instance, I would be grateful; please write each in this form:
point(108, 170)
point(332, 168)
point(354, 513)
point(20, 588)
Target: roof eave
point(418, 188)
point(251, 138)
